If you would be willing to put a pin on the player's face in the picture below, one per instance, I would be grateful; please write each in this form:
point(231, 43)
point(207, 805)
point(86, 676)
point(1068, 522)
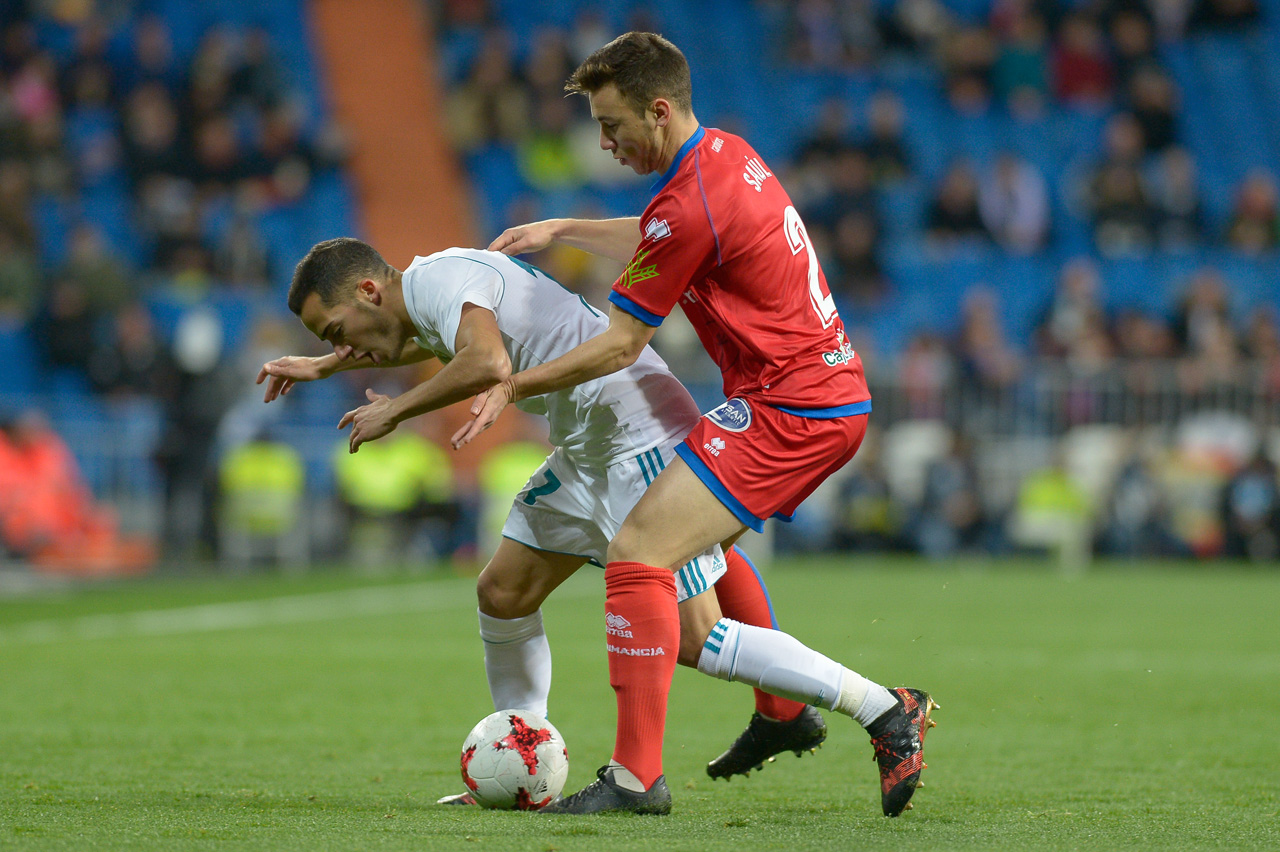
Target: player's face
point(629, 137)
point(355, 326)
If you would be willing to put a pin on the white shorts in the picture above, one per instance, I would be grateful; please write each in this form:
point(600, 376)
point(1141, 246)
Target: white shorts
point(578, 510)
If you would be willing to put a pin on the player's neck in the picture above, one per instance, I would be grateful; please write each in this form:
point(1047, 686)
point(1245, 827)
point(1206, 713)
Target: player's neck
point(679, 129)
point(393, 293)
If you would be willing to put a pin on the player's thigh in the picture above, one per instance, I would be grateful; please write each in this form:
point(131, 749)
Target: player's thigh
point(518, 579)
point(677, 518)
point(698, 615)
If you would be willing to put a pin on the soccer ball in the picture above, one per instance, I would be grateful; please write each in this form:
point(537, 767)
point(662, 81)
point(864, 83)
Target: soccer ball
point(514, 759)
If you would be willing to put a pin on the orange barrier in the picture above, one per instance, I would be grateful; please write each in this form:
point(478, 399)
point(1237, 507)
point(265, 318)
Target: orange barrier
point(378, 57)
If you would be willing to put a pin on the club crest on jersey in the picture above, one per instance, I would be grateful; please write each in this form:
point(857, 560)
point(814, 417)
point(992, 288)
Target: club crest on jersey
point(635, 273)
point(657, 229)
point(732, 416)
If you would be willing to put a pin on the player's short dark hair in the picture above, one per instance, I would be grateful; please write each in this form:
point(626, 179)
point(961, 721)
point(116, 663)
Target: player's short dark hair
point(643, 66)
point(331, 267)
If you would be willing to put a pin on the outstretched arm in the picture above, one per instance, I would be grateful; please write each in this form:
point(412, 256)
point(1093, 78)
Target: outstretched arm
point(616, 348)
point(480, 362)
point(612, 238)
point(283, 373)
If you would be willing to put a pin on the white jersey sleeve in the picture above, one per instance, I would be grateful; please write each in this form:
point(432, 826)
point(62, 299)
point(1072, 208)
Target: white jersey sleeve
point(624, 413)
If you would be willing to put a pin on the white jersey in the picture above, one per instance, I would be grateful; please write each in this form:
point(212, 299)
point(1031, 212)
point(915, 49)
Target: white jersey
point(598, 422)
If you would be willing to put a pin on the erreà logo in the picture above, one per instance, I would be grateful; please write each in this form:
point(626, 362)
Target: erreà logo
point(616, 625)
point(635, 272)
point(657, 229)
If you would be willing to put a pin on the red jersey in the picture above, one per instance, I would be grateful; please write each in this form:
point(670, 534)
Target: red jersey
point(722, 238)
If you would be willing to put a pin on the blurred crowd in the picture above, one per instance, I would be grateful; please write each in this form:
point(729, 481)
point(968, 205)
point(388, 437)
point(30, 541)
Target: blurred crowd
point(1018, 205)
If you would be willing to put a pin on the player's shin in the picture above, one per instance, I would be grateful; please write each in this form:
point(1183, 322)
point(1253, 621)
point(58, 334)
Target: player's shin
point(778, 663)
point(643, 638)
point(517, 662)
point(744, 598)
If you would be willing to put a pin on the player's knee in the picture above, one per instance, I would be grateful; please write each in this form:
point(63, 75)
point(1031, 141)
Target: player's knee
point(626, 547)
point(503, 599)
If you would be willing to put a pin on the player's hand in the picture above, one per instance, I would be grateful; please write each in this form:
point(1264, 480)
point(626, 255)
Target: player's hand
point(484, 410)
point(370, 422)
point(523, 239)
point(282, 373)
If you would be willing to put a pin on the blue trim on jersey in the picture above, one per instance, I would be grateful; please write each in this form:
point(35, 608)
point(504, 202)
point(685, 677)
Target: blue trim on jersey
point(661, 182)
point(863, 407)
point(773, 619)
point(717, 488)
point(635, 310)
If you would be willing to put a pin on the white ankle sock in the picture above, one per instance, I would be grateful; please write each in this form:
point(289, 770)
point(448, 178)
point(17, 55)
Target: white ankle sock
point(517, 662)
point(624, 777)
point(782, 665)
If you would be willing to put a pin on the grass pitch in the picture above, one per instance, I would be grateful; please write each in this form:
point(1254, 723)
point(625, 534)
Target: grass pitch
point(1134, 707)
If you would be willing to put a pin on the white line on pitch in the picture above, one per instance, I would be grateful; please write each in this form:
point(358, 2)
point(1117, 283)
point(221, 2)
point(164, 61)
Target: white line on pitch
point(293, 609)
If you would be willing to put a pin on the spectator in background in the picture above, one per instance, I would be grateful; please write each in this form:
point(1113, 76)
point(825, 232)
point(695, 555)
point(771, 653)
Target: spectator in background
point(1175, 195)
point(950, 516)
point(866, 515)
point(814, 160)
point(953, 214)
point(1251, 511)
point(968, 57)
point(1223, 15)
point(832, 34)
point(848, 190)
point(1122, 217)
point(1255, 224)
point(1203, 315)
point(1133, 43)
point(65, 324)
point(986, 360)
point(854, 273)
point(1081, 66)
point(926, 370)
point(1075, 311)
point(917, 26)
point(885, 146)
point(130, 362)
point(153, 61)
point(19, 280)
point(1136, 518)
point(491, 107)
point(1153, 100)
point(153, 143)
point(1020, 77)
point(1013, 200)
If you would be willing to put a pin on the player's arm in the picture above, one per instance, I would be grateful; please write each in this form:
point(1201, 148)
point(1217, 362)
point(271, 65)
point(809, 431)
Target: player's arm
point(612, 238)
point(481, 362)
point(616, 348)
point(283, 373)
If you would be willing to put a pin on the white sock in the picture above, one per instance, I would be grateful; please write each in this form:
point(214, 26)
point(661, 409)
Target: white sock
point(517, 661)
point(780, 664)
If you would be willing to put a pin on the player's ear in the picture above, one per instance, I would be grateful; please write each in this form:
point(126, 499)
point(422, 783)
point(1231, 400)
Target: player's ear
point(371, 291)
point(661, 109)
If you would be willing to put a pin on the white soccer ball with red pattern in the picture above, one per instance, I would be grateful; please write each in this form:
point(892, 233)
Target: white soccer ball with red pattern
point(514, 759)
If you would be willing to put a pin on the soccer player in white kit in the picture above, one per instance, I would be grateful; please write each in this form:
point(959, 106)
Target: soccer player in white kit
point(486, 315)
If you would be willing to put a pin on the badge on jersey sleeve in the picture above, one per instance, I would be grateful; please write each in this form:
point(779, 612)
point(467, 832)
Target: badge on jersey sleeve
point(732, 416)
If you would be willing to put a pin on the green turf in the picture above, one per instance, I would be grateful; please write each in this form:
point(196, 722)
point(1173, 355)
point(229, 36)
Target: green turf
point(1134, 707)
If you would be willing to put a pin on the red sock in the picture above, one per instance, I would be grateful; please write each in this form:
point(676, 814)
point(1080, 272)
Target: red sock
point(643, 637)
point(744, 598)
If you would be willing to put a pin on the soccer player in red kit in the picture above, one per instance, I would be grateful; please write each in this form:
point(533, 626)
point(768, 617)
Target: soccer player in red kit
point(721, 239)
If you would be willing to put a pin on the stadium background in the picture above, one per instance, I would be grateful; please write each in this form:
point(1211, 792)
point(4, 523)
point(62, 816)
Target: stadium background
point(1051, 228)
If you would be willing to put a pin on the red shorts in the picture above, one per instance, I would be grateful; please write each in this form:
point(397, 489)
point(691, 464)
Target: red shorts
point(762, 462)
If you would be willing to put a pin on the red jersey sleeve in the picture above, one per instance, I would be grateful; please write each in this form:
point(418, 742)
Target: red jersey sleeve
point(678, 247)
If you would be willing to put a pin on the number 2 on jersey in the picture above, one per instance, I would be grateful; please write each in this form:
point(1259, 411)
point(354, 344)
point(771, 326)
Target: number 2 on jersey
point(798, 240)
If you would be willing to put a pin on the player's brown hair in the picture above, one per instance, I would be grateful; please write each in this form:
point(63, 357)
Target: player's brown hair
point(643, 66)
point(331, 267)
